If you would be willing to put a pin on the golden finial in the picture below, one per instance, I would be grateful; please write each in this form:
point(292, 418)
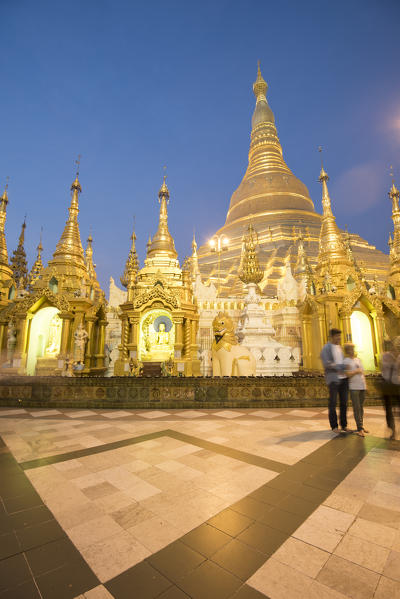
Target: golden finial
point(133, 236)
point(40, 246)
point(132, 263)
point(164, 191)
point(194, 243)
point(260, 85)
point(4, 197)
point(323, 176)
point(76, 185)
point(394, 193)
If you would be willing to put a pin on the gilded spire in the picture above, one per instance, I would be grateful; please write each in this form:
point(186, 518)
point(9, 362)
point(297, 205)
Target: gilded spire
point(331, 247)
point(162, 242)
point(326, 200)
point(3, 215)
point(90, 267)
point(132, 263)
point(250, 270)
point(194, 261)
point(268, 184)
point(394, 195)
point(19, 263)
point(37, 267)
point(260, 86)
point(69, 249)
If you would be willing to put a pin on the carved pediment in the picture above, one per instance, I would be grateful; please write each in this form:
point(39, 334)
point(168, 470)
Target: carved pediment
point(157, 292)
point(350, 300)
point(58, 301)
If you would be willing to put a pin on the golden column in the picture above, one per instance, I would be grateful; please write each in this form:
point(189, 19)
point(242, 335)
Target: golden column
point(90, 343)
point(306, 328)
point(65, 334)
point(187, 331)
point(178, 337)
point(125, 338)
point(3, 339)
point(379, 330)
point(194, 345)
point(134, 335)
point(100, 344)
point(346, 327)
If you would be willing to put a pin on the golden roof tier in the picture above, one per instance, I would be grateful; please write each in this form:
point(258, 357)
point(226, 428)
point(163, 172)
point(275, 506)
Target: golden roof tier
point(279, 206)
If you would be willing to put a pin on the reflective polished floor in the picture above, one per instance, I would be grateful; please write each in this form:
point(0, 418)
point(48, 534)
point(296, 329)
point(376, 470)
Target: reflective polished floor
point(201, 504)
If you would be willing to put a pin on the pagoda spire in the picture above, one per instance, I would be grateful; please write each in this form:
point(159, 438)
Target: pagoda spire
point(19, 263)
point(394, 195)
point(162, 243)
point(69, 249)
point(194, 261)
point(3, 216)
point(331, 246)
point(250, 270)
point(268, 183)
point(37, 267)
point(90, 267)
point(132, 263)
point(260, 86)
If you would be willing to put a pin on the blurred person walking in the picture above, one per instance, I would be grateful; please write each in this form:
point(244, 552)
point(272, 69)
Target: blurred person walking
point(390, 370)
point(336, 380)
point(357, 385)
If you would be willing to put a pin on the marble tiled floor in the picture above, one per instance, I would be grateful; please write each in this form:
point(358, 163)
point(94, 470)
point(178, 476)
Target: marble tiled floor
point(212, 504)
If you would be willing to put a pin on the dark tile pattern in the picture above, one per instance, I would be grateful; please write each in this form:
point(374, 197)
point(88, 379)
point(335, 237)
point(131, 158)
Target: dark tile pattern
point(227, 549)
point(242, 456)
point(37, 559)
point(212, 561)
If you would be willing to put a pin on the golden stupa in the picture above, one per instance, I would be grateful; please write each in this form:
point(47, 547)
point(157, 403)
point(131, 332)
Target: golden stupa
point(279, 207)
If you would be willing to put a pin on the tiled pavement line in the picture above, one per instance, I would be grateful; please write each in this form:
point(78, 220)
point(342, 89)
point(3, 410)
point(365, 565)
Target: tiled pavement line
point(174, 415)
point(37, 559)
point(215, 559)
point(215, 447)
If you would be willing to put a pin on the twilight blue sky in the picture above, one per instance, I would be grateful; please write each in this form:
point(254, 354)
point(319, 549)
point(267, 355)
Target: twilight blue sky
point(134, 86)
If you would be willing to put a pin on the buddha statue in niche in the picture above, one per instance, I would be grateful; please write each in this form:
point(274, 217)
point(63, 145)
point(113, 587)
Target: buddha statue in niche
point(162, 335)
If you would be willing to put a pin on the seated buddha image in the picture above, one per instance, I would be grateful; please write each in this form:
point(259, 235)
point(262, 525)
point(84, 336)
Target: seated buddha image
point(162, 335)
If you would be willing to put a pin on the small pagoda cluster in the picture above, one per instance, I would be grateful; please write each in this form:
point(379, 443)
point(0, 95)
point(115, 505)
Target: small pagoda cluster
point(53, 316)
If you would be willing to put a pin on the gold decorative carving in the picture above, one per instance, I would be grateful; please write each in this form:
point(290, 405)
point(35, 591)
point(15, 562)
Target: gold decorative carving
point(157, 292)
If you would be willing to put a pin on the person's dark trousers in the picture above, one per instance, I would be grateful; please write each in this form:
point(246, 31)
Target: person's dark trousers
point(340, 388)
point(390, 394)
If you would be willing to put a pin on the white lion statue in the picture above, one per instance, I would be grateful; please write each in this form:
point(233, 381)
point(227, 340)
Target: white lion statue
point(228, 357)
